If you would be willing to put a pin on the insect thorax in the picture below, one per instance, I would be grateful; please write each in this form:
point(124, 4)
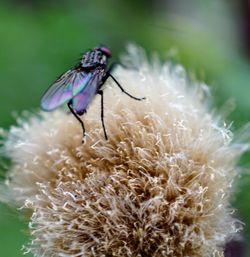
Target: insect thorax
point(93, 58)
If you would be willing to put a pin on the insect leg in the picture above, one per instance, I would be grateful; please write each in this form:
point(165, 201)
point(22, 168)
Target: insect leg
point(100, 92)
point(125, 92)
point(108, 74)
point(77, 117)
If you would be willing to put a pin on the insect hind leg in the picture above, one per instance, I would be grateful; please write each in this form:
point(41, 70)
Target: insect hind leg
point(77, 117)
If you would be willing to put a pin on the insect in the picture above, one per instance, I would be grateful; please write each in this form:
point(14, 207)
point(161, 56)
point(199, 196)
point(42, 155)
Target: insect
point(78, 86)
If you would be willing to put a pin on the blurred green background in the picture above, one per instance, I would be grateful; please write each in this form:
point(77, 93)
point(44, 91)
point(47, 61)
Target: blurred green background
point(41, 39)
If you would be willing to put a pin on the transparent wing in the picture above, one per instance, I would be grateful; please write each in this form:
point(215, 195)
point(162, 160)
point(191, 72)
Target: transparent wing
point(81, 101)
point(64, 88)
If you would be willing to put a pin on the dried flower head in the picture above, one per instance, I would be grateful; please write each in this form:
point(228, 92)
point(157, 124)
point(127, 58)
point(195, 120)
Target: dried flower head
point(158, 187)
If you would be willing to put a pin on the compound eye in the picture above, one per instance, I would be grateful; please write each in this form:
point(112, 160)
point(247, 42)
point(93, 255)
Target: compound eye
point(106, 51)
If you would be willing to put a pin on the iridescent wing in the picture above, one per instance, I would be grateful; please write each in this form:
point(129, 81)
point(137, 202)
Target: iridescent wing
point(65, 88)
point(81, 101)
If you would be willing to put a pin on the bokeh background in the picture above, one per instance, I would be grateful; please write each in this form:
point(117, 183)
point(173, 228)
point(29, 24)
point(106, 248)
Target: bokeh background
point(41, 39)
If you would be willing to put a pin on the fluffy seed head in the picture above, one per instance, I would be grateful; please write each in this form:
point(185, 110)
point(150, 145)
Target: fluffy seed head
point(158, 187)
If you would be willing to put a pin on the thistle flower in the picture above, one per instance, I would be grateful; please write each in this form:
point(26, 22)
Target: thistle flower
point(160, 185)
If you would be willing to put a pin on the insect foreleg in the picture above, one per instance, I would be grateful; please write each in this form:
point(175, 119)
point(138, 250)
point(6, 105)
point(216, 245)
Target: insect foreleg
point(108, 74)
point(77, 117)
point(100, 92)
point(125, 92)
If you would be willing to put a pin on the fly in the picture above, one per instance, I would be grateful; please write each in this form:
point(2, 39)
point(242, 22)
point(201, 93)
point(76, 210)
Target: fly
point(78, 86)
